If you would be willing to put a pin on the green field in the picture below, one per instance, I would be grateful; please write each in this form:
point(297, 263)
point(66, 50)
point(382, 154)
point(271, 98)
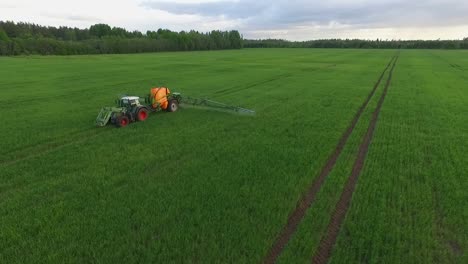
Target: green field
point(202, 186)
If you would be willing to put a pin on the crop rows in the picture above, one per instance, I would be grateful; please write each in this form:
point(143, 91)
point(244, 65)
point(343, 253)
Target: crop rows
point(410, 203)
point(398, 212)
point(202, 186)
point(307, 200)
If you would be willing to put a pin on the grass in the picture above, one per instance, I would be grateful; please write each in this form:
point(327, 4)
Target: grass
point(302, 246)
point(410, 203)
point(203, 186)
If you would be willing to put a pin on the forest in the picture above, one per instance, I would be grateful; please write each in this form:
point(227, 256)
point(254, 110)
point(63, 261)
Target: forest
point(358, 44)
point(27, 38)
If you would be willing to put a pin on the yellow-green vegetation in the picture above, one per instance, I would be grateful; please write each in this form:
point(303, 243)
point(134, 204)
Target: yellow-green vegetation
point(212, 187)
point(410, 205)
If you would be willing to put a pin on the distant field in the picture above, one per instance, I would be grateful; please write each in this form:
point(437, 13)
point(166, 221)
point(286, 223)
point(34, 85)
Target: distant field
point(201, 186)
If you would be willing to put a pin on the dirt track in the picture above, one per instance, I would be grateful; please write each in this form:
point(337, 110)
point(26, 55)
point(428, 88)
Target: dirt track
point(325, 247)
point(306, 201)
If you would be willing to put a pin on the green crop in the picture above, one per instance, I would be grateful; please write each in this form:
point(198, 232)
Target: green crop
point(410, 205)
point(211, 187)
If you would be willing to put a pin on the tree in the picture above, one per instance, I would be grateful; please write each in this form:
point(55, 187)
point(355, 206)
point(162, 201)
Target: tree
point(100, 30)
point(3, 35)
point(119, 32)
point(70, 35)
point(235, 39)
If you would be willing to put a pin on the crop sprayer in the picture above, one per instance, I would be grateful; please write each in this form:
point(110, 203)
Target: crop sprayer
point(130, 109)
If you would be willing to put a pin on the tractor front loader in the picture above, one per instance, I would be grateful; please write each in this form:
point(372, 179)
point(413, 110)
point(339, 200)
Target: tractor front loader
point(135, 108)
point(129, 110)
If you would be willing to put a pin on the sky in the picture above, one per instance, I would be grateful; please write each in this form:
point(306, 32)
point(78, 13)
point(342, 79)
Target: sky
point(282, 19)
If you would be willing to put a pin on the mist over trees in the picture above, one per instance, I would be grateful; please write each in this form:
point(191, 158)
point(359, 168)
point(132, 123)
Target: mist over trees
point(26, 38)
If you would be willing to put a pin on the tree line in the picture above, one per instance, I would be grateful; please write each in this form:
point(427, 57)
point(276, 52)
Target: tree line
point(359, 44)
point(27, 38)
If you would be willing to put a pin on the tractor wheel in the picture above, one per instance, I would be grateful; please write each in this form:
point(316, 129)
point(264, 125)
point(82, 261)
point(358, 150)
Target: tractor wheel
point(142, 114)
point(173, 106)
point(122, 121)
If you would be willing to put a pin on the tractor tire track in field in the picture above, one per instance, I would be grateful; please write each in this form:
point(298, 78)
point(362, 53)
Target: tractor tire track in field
point(47, 147)
point(306, 201)
point(328, 66)
point(69, 94)
point(238, 88)
point(324, 250)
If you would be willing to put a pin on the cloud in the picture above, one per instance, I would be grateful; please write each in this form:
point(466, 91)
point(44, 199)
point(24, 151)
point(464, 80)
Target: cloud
point(81, 18)
point(272, 14)
point(71, 17)
point(228, 9)
point(289, 19)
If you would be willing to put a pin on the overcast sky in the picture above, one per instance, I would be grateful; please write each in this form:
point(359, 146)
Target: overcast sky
point(286, 19)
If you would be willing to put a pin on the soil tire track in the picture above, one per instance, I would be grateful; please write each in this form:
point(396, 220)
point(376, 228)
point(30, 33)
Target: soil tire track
point(324, 250)
point(238, 88)
point(306, 201)
point(44, 148)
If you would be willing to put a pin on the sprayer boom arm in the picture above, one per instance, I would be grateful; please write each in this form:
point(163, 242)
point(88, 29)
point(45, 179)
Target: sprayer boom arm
point(210, 104)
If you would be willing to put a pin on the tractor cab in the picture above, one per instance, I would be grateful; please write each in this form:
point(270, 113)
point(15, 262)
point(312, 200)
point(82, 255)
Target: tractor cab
point(129, 101)
point(134, 108)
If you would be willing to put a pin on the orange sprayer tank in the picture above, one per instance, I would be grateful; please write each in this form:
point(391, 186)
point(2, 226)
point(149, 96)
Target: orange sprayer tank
point(159, 97)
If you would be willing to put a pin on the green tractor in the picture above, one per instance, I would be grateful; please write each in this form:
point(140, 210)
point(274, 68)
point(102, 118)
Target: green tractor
point(134, 108)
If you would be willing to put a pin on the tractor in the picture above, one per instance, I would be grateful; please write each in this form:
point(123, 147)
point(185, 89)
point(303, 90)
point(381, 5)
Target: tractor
point(137, 108)
point(134, 108)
